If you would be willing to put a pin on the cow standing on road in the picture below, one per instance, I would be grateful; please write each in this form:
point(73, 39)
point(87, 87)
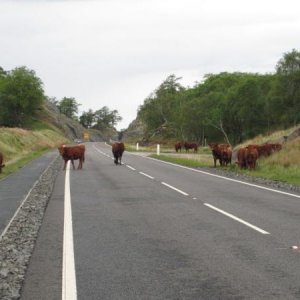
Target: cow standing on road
point(72, 153)
point(117, 150)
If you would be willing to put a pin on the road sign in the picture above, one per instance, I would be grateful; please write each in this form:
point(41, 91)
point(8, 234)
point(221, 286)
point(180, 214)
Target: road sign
point(86, 136)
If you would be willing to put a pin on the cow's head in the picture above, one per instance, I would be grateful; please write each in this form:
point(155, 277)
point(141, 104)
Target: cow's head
point(61, 149)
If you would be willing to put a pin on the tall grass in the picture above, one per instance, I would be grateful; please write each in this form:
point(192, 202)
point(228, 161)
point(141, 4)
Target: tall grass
point(20, 146)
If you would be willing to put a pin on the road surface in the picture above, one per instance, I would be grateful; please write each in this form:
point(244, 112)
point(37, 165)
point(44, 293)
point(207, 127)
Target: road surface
point(154, 230)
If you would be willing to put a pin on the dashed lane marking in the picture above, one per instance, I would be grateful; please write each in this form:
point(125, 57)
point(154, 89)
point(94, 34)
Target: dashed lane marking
point(175, 189)
point(236, 218)
point(144, 174)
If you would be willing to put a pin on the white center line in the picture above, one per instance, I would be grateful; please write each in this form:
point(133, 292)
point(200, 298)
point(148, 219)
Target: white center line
point(146, 175)
point(69, 290)
point(131, 168)
point(175, 189)
point(236, 218)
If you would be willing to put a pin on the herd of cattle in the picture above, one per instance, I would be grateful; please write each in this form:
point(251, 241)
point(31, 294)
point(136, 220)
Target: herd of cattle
point(246, 156)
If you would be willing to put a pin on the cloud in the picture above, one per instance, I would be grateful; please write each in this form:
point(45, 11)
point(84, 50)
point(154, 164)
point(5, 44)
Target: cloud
point(115, 53)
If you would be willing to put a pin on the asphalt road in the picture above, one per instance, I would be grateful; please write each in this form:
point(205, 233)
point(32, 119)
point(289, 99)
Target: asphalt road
point(153, 230)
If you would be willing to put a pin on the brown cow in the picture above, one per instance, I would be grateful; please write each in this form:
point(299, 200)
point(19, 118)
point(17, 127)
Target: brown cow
point(241, 160)
point(178, 147)
point(117, 150)
point(221, 152)
point(266, 149)
point(188, 146)
point(2, 165)
point(247, 157)
point(251, 156)
point(72, 153)
point(226, 153)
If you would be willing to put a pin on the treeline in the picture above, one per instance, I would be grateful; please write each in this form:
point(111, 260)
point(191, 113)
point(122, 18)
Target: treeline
point(229, 107)
point(22, 95)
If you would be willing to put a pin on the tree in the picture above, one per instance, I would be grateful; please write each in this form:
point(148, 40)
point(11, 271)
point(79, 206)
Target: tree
point(287, 88)
point(162, 109)
point(21, 95)
point(87, 119)
point(3, 73)
point(105, 118)
point(69, 107)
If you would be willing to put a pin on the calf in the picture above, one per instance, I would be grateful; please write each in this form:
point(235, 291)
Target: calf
point(72, 153)
point(1, 162)
point(117, 150)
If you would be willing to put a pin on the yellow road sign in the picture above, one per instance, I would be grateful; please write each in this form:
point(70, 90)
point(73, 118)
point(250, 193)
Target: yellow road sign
point(86, 136)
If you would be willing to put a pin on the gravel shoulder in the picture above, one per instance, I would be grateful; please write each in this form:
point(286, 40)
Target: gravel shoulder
point(18, 241)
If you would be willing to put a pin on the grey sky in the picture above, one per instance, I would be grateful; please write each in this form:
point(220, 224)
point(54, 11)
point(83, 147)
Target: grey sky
point(116, 52)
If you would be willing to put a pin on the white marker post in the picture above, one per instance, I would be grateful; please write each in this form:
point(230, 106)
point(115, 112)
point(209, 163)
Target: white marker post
point(158, 149)
point(137, 146)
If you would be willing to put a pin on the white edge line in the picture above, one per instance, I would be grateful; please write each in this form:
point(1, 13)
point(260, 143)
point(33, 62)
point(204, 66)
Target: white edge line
point(226, 178)
point(24, 200)
point(69, 291)
point(236, 218)
point(175, 189)
point(146, 175)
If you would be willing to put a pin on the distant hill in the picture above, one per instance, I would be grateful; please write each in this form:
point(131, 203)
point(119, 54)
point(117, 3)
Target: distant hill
point(71, 128)
point(46, 130)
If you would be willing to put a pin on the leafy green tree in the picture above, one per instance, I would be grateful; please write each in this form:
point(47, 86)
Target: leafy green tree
point(105, 118)
point(69, 107)
point(286, 98)
point(87, 119)
point(21, 95)
point(162, 109)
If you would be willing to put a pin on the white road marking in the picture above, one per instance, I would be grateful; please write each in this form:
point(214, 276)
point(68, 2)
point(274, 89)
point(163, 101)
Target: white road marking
point(69, 290)
point(236, 218)
point(131, 168)
point(151, 177)
point(175, 189)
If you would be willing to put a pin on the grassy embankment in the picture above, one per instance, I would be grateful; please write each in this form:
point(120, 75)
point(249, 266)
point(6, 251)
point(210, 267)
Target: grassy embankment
point(20, 146)
point(282, 166)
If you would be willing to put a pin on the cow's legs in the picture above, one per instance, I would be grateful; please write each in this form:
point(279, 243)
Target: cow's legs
point(72, 161)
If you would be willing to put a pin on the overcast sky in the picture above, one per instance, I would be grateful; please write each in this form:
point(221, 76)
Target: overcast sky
point(116, 52)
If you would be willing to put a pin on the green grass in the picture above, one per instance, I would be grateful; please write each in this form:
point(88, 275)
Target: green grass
point(283, 166)
point(20, 162)
point(192, 163)
point(20, 146)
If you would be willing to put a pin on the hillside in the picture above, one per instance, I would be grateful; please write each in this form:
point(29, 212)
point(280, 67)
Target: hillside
point(47, 130)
